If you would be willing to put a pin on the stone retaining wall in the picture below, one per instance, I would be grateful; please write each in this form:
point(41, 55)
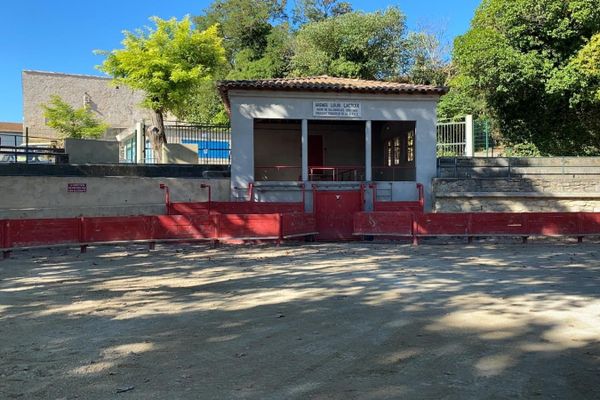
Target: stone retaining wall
point(523, 194)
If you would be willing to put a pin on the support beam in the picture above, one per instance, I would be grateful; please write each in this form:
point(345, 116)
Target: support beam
point(140, 143)
point(368, 152)
point(305, 150)
point(469, 139)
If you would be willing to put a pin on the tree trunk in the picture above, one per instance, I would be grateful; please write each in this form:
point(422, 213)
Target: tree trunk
point(158, 137)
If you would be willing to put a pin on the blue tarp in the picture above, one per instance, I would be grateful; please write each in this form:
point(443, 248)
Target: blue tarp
point(210, 148)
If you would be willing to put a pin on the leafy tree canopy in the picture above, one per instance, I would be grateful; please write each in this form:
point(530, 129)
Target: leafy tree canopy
point(306, 11)
point(355, 45)
point(532, 61)
point(72, 123)
point(169, 63)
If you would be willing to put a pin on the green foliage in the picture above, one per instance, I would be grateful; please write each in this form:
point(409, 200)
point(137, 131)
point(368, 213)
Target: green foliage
point(72, 123)
point(354, 45)
point(244, 24)
point(167, 63)
point(306, 11)
point(523, 150)
point(427, 62)
point(531, 61)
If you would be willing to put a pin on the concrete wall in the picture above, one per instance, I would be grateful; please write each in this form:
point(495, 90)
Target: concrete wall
point(248, 105)
point(118, 106)
point(518, 194)
point(176, 153)
point(48, 196)
point(88, 151)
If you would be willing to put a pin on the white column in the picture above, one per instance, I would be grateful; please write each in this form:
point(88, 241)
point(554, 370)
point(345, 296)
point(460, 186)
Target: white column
point(469, 144)
point(368, 152)
point(304, 150)
point(139, 143)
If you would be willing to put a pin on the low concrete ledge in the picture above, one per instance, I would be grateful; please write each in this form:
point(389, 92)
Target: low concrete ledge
point(537, 195)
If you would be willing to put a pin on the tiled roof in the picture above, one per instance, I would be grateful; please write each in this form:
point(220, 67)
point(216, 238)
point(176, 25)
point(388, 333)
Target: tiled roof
point(328, 84)
point(12, 127)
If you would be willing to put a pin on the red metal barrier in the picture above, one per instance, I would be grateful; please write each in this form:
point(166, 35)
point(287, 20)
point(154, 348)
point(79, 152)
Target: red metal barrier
point(478, 224)
point(197, 227)
point(497, 224)
point(84, 231)
point(441, 224)
point(232, 207)
point(39, 232)
point(383, 224)
point(298, 224)
point(589, 224)
point(115, 229)
point(249, 226)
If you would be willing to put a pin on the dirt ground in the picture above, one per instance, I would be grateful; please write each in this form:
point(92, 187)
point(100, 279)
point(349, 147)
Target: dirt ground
point(322, 321)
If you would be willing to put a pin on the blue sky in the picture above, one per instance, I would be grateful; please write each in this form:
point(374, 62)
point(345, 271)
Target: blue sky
point(60, 35)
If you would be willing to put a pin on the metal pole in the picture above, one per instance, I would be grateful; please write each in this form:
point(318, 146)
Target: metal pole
point(487, 138)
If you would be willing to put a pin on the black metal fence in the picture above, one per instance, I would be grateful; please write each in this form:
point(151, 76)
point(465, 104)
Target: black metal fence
point(213, 141)
point(30, 150)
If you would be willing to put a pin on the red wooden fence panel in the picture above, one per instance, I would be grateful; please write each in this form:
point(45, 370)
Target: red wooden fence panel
point(552, 224)
point(298, 224)
point(116, 229)
point(383, 224)
point(183, 227)
point(441, 224)
point(589, 223)
point(497, 224)
point(250, 226)
point(39, 232)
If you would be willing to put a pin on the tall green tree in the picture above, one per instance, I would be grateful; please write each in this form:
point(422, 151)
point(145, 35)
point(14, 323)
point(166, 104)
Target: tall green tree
point(354, 45)
point(169, 62)
point(258, 44)
point(525, 58)
point(307, 11)
point(71, 122)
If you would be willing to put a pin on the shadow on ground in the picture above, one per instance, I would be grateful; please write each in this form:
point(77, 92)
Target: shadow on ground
point(325, 321)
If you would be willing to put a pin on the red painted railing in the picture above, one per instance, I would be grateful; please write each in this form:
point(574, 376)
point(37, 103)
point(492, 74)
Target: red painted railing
point(27, 233)
point(419, 225)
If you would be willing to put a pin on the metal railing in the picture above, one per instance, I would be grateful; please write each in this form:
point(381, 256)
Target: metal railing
point(451, 138)
point(214, 141)
point(31, 150)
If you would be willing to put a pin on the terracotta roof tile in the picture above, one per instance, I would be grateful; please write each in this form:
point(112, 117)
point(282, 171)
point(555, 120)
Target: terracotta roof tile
point(328, 84)
point(13, 127)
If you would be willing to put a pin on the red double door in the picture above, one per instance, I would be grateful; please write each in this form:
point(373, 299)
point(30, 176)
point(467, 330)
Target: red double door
point(334, 211)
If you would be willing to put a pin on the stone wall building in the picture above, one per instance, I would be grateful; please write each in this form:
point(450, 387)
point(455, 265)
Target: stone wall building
point(118, 106)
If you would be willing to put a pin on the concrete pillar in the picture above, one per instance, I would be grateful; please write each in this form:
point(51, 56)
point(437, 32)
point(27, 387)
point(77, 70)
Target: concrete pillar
point(305, 150)
point(469, 143)
point(140, 143)
point(368, 152)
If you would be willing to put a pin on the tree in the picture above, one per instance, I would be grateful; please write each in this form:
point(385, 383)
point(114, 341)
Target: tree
point(169, 63)
point(525, 58)
point(307, 11)
point(428, 57)
point(243, 24)
point(70, 122)
point(258, 44)
point(354, 45)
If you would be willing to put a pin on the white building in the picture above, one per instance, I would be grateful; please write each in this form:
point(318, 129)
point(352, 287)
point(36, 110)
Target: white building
point(334, 134)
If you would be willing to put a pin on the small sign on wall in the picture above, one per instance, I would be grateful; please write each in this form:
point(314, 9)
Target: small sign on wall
point(76, 187)
point(343, 109)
